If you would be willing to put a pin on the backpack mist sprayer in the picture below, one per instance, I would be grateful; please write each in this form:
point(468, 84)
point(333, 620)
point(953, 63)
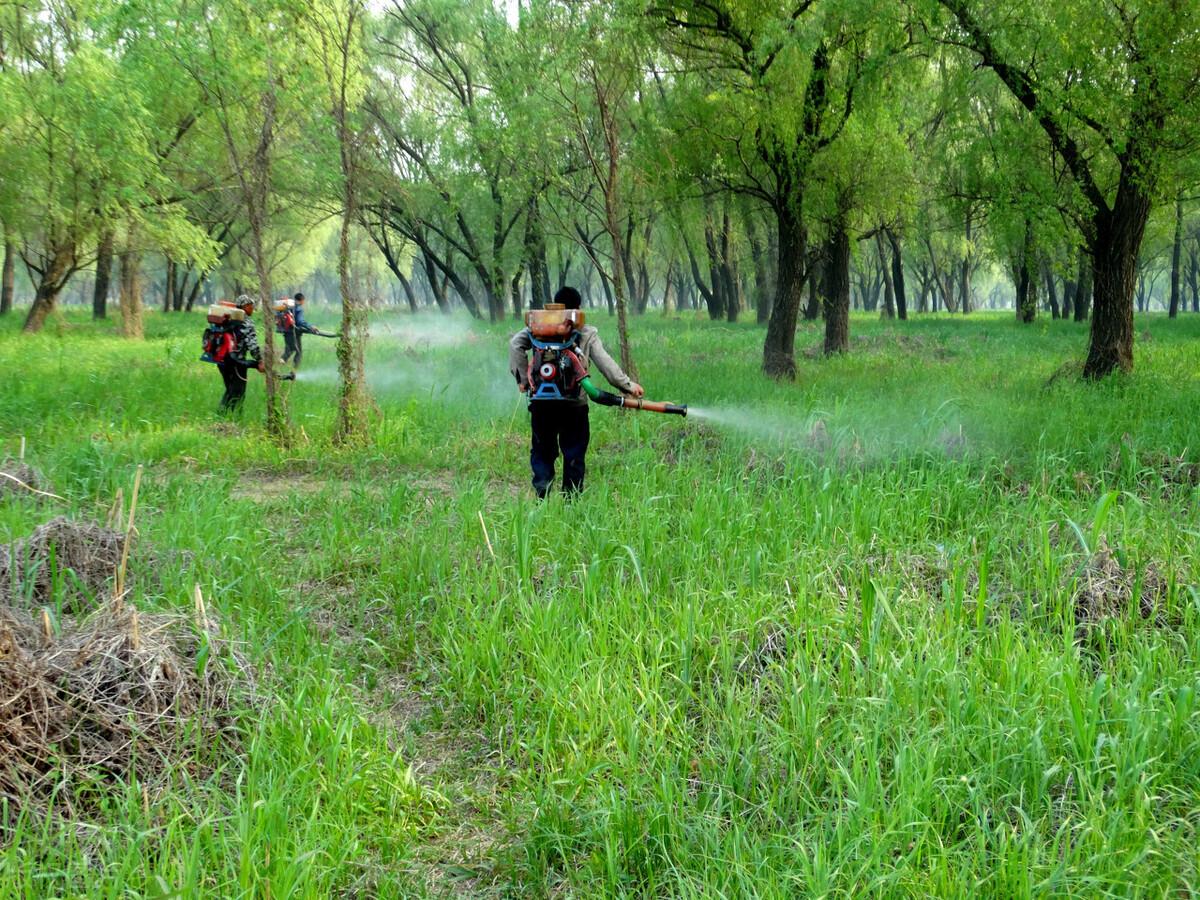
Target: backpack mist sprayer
point(557, 370)
point(220, 341)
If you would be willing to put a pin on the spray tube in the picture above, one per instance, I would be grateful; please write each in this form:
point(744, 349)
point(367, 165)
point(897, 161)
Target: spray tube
point(604, 398)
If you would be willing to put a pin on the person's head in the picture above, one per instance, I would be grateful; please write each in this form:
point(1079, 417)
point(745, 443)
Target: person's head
point(299, 298)
point(245, 303)
point(568, 297)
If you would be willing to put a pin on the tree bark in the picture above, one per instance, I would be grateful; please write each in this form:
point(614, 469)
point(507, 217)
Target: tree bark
point(1118, 239)
point(889, 289)
point(1027, 279)
point(51, 281)
point(8, 278)
point(1051, 290)
point(964, 290)
point(1194, 275)
point(779, 346)
point(1083, 292)
point(837, 300)
point(131, 294)
point(169, 286)
point(812, 309)
point(1177, 259)
point(762, 292)
point(898, 275)
point(717, 301)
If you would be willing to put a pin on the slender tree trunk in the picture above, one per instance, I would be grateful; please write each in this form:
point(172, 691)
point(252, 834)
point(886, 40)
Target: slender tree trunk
point(1083, 292)
point(718, 302)
point(812, 310)
point(762, 287)
point(898, 275)
point(889, 288)
point(1051, 290)
point(837, 300)
point(779, 346)
point(131, 294)
point(1194, 275)
point(104, 261)
point(8, 278)
point(1027, 279)
point(1070, 288)
point(1177, 259)
point(965, 288)
point(199, 284)
point(535, 256)
point(169, 286)
point(709, 298)
point(436, 285)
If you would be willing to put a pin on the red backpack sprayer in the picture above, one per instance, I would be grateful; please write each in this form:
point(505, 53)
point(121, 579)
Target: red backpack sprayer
point(557, 370)
point(220, 337)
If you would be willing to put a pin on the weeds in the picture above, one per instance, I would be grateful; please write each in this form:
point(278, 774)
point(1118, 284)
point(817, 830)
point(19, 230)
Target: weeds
point(828, 647)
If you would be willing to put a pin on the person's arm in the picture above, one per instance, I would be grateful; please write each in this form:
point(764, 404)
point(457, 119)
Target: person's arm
point(518, 359)
point(301, 323)
point(609, 369)
point(248, 348)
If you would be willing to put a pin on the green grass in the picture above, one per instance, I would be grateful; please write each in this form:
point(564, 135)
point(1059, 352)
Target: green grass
point(760, 657)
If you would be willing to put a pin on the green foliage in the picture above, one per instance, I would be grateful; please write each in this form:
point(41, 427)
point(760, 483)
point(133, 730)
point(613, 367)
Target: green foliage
point(761, 656)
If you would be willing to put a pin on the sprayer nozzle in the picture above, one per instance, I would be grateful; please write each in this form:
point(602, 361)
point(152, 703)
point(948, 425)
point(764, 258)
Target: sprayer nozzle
point(677, 409)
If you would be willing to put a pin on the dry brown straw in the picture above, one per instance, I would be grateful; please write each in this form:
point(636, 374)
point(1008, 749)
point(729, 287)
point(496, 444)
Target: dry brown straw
point(30, 488)
point(119, 586)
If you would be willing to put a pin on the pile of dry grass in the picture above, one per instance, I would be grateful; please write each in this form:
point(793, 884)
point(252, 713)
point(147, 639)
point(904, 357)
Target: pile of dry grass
point(106, 693)
point(78, 556)
point(18, 478)
point(1105, 589)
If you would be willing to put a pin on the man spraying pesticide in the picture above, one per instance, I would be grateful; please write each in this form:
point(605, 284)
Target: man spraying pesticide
point(549, 359)
point(231, 342)
point(290, 322)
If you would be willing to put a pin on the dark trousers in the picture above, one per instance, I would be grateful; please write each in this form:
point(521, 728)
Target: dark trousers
point(235, 386)
point(558, 426)
point(292, 346)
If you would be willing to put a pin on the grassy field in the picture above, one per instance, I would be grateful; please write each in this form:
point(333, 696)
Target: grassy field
point(924, 623)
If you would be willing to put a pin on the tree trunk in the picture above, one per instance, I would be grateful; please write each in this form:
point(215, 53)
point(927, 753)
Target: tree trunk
point(837, 300)
point(710, 300)
point(409, 294)
point(535, 256)
point(199, 284)
point(131, 294)
point(8, 278)
point(1118, 238)
point(669, 288)
point(1026, 278)
point(169, 286)
point(1177, 258)
point(779, 346)
point(762, 292)
point(51, 281)
point(718, 303)
point(1051, 290)
point(1083, 291)
point(1115, 274)
point(898, 275)
point(812, 309)
point(729, 274)
point(104, 261)
point(964, 290)
point(1194, 275)
point(889, 289)
point(436, 284)
point(1070, 287)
